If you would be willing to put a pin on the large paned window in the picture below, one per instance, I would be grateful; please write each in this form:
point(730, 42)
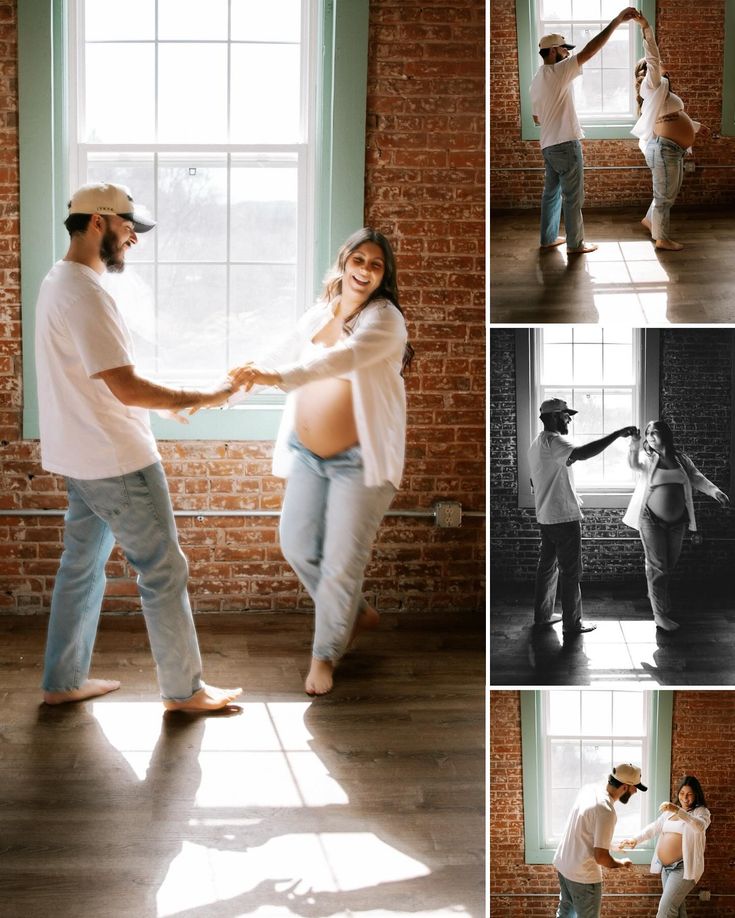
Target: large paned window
point(609, 376)
point(241, 126)
point(604, 93)
point(576, 737)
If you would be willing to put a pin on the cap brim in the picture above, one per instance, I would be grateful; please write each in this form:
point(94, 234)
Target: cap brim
point(571, 411)
point(569, 47)
point(140, 223)
point(641, 787)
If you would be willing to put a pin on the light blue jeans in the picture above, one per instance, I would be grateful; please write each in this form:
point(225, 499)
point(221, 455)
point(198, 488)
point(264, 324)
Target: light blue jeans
point(675, 891)
point(563, 187)
point(662, 543)
point(329, 521)
point(666, 161)
point(578, 900)
point(135, 510)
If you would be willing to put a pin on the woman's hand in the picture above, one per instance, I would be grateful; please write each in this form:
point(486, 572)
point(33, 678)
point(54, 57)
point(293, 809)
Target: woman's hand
point(721, 498)
point(668, 807)
point(627, 843)
point(249, 375)
point(642, 21)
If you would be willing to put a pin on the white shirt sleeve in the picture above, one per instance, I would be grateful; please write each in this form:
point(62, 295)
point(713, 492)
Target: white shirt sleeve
point(99, 334)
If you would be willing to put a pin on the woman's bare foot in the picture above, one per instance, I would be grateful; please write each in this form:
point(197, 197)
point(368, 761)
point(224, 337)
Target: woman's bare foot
point(208, 698)
point(367, 620)
point(669, 245)
point(583, 249)
point(560, 240)
point(647, 223)
point(91, 688)
point(320, 679)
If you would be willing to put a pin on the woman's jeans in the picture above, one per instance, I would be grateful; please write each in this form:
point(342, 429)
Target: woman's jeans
point(675, 890)
point(662, 544)
point(135, 510)
point(578, 900)
point(666, 161)
point(329, 521)
point(563, 186)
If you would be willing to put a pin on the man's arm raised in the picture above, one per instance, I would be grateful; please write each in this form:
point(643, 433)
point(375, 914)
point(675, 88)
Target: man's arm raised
point(596, 44)
point(590, 450)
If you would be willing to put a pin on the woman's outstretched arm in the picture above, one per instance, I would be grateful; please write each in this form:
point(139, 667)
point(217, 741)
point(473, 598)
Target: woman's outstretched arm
point(651, 52)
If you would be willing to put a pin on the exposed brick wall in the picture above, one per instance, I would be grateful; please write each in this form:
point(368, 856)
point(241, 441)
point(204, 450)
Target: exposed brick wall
point(703, 723)
point(695, 396)
point(425, 188)
point(696, 77)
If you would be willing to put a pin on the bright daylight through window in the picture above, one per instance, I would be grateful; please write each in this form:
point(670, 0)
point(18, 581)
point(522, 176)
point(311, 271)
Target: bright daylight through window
point(212, 133)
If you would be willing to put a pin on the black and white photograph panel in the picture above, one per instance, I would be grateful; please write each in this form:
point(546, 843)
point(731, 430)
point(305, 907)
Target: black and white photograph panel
point(612, 537)
point(612, 162)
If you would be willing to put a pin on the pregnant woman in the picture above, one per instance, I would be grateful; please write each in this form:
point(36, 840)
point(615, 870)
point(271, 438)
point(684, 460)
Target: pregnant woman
point(662, 509)
point(666, 134)
point(342, 438)
point(679, 854)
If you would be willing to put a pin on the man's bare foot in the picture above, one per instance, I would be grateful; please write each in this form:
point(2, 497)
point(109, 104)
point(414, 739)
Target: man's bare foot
point(647, 223)
point(560, 240)
point(91, 688)
point(208, 698)
point(669, 245)
point(583, 249)
point(320, 679)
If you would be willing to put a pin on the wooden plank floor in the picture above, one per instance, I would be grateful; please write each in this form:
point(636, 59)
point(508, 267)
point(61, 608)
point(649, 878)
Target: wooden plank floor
point(626, 281)
point(369, 801)
point(626, 647)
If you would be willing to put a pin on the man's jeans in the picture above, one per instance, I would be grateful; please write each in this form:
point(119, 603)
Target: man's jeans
point(578, 900)
point(135, 510)
point(561, 550)
point(666, 161)
point(563, 186)
point(661, 547)
point(328, 524)
point(675, 890)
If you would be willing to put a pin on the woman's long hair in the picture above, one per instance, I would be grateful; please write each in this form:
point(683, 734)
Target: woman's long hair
point(641, 69)
point(387, 289)
point(691, 781)
point(667, 437)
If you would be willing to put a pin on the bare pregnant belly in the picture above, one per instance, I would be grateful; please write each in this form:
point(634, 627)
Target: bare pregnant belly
point(678, 127)
point(325, 420)
point(667, 502)
point(669, 848)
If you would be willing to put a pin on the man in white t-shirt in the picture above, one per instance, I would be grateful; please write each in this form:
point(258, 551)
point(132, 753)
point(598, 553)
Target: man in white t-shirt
point(552, 101)
point(584, 848)
point(95, 431)
point(558, 514)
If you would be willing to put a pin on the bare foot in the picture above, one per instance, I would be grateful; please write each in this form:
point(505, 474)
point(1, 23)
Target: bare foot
point(319, 681)
point(647, 223)
point(91, 688)
point(669, 245)
point(208, 698)
point(560, 240)
point(583, 249)
point(367, 620)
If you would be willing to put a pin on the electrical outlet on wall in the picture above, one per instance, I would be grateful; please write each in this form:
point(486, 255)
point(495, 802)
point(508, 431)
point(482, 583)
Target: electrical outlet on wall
point(448, 513)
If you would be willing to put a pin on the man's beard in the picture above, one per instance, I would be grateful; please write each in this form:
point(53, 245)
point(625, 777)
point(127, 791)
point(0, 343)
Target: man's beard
point(112, 253)
point(624, 798)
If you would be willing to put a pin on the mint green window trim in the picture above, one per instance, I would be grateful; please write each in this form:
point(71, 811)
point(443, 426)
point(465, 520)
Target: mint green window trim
point(341, 89)
point(529, 61)
point(728, 75)
point(534, 781)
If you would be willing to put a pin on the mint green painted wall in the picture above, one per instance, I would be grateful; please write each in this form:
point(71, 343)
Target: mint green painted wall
point(529, 61)
point(728, 77)
point(340, 170)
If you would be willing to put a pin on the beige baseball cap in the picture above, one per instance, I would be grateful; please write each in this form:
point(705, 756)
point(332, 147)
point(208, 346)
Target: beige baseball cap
point(629, 774)
point(553, 41)
point(106, 198)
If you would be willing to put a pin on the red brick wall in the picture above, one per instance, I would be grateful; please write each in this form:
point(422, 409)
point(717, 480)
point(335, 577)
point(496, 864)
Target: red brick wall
point(425, 188)
point(703, 723)
point(696, 69)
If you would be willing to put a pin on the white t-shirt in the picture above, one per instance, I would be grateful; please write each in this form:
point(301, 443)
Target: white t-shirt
point(590, 825)
point(371, 359)
point(552, 100)
point(553, 480)
point(86, 432)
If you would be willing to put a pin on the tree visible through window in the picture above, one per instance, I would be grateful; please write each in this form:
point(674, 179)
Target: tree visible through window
point(605, 89)
point(202, 109)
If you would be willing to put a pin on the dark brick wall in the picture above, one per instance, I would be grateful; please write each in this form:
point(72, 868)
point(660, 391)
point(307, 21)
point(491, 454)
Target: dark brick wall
point(695, 397)
point(703, 723)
